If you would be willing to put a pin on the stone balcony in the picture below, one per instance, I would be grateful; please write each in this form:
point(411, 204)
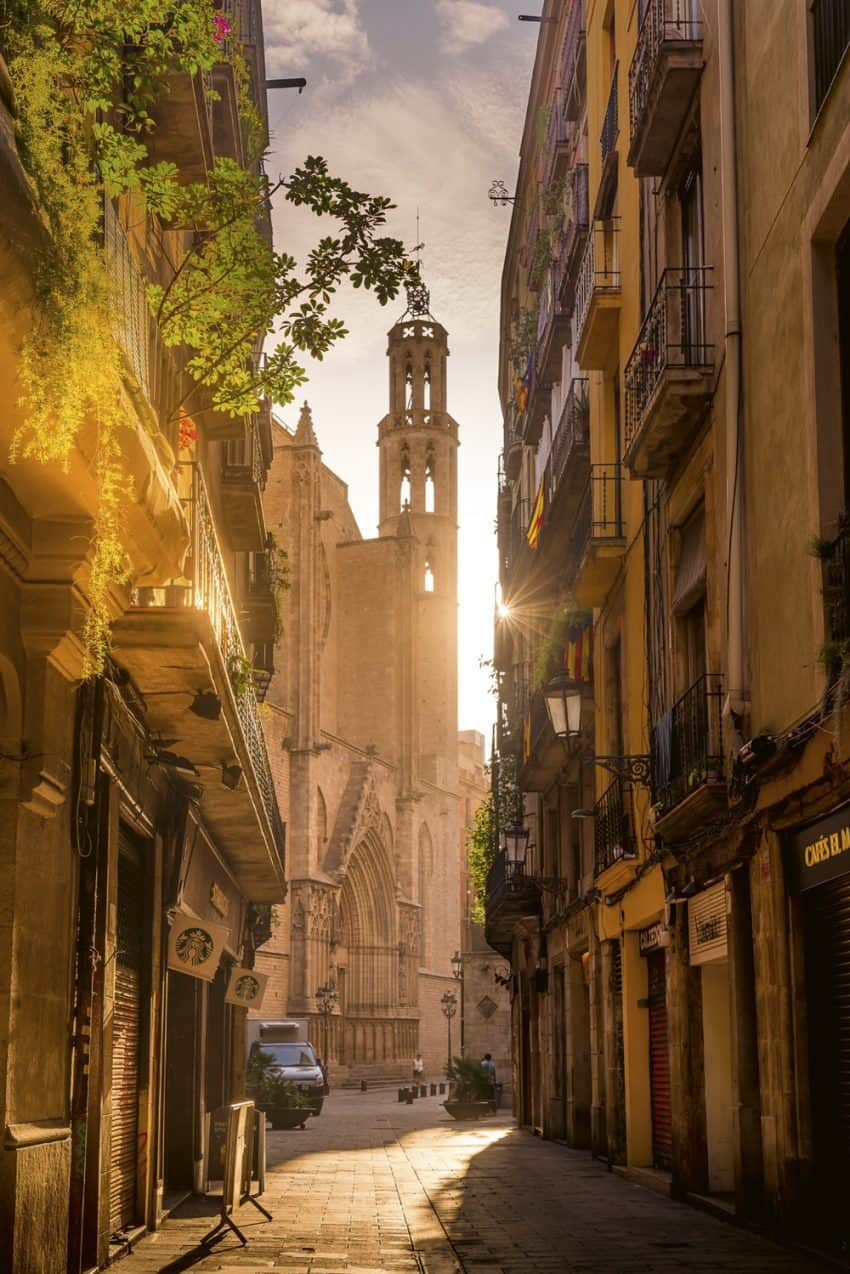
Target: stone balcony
point(663, 77)
point(243, 478)
point(669, 376)
point(597, 542)
point(182, 646)
point(510, 898)
point(596, 315)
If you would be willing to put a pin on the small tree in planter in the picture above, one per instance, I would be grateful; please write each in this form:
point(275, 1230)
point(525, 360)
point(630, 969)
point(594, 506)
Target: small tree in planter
point(277, 1097)
point(472, 1091)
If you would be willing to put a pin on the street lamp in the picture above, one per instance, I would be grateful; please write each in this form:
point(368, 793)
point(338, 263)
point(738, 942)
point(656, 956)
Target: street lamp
point(515, 848)
point(326, 998)
point(563, 697)
point(457, 974)
point(449, 1007)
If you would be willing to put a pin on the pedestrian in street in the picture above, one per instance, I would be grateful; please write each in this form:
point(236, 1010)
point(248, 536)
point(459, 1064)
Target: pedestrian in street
point(489, 1068)
point(418, 1069)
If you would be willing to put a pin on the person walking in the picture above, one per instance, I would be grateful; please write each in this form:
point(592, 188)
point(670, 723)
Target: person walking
point(489, 1068)
point(418, 1069)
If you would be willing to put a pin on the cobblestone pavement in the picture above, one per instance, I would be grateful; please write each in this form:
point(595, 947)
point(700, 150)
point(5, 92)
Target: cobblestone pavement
point(374, 1186)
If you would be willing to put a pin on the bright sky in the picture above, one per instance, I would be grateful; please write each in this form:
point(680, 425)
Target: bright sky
point(423, 101)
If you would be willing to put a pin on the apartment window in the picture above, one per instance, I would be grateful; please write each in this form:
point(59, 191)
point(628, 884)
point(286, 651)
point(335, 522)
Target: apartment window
point(689, 603)
point(842, 280)
point(830, 36)
point(693, 259)
point(614, 698)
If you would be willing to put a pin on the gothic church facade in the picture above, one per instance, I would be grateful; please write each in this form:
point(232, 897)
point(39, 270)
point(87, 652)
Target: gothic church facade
point(362, 728)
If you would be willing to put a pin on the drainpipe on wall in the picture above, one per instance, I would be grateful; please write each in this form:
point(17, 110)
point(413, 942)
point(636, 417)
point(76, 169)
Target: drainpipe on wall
point(736, 705)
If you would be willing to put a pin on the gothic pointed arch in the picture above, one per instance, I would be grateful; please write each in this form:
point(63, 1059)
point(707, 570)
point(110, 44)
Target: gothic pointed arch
point(368, 928)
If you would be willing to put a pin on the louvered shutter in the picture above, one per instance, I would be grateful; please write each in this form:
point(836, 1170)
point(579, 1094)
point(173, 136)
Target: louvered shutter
point(659, 1062)
point(126, 1035)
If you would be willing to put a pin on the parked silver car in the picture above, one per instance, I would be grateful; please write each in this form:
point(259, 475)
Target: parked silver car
point(298, 1063)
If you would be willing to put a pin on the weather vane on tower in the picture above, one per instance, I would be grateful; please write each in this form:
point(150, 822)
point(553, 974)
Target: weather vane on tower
point(418, 296)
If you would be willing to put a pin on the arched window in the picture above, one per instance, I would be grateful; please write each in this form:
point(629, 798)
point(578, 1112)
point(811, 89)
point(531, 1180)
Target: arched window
point(429, 576)
point(427, 384)
point(408, 385)
point(430, 489)
point(405, 496)
point(321, 823)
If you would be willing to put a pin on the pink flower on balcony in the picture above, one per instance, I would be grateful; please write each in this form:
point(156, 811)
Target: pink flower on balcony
point(221, 28)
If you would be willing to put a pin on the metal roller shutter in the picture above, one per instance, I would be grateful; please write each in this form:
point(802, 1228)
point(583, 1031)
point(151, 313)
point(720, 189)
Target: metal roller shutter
point(659, 1063)
point(828, 967)
point(126, 1035)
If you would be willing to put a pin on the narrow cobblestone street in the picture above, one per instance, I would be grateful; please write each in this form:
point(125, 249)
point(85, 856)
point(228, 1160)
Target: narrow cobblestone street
point(377, 1186)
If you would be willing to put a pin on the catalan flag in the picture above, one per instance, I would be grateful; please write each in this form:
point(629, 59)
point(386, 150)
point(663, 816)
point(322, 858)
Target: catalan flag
point(526, 735)
point(521, 386)
point(536, 523)
point(578, 653)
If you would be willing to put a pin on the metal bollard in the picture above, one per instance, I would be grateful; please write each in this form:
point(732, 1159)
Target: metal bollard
point(423, 1091)
point(364, 1087)
point(402, 1093)
point(442, 1089)
point(433, 1090)
point(410, 1096)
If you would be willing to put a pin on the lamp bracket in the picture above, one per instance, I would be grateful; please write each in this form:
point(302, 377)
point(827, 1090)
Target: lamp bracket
point(556, 885)
point(633, 769)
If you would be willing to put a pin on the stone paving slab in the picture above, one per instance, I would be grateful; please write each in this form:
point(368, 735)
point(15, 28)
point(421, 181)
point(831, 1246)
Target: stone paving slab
point(374, 1186)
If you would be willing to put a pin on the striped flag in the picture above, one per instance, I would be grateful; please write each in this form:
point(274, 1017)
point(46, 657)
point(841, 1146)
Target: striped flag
point(578, 653)
point(536, 523)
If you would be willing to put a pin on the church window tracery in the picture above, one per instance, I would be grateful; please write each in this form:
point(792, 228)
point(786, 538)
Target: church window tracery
point(405, 496)
point(430, 486)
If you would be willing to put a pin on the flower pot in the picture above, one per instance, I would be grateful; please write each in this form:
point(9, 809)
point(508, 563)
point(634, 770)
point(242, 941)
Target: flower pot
point(468, 1109)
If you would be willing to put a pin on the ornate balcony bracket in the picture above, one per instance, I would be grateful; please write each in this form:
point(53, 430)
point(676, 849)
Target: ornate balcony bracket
point(631, 769)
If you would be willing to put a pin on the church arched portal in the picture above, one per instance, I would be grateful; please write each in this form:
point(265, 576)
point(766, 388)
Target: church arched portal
point(368, 934)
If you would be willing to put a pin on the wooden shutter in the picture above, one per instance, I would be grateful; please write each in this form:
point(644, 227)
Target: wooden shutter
point(659, 1063)
point(126, 1035)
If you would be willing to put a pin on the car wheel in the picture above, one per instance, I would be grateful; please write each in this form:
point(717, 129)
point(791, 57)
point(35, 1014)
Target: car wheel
point(317, 1110)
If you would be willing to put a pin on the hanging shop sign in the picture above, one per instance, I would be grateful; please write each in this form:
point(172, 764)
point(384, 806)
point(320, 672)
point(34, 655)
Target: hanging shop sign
point(707, 937)
point(821, 851)
point(653, 938)
point(195, 946)
point(246, 988)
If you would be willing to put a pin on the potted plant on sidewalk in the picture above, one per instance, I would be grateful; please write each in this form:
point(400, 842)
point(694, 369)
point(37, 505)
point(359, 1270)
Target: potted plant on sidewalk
point(471, 1094)
point(275, 1096)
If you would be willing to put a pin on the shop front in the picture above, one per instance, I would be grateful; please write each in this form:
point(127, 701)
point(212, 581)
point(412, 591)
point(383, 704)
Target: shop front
point(818, 872)
point(652, 944)
point(708, 952)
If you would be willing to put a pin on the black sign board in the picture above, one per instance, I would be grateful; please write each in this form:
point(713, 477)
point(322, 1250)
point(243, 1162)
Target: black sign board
point(236, 1153)
point(820, 851)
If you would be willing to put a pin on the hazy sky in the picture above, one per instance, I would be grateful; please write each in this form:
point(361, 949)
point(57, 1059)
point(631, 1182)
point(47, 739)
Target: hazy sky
point(423, 101)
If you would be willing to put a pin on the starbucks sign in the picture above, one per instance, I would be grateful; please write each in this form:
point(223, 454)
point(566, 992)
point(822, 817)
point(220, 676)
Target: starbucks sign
point(195, 946)
point(246, 987)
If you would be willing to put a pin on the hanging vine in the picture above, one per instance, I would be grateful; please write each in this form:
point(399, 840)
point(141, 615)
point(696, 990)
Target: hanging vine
point(87, 77)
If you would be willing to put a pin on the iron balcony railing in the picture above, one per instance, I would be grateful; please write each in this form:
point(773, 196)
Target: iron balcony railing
point(664, 22)
point(573, 428)
point(575, 229)
point(613, 834)
point(206, 588)
point(138, 333)
point(243, 457)
point(673, 335)
point(687, 743)
point(570, 58)
point(558, 136)
point(610, 123)
point(599, 518)
point(830, 40)
point(599, 271)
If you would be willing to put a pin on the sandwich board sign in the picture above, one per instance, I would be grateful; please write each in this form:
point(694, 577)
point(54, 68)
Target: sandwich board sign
point(236, 1141)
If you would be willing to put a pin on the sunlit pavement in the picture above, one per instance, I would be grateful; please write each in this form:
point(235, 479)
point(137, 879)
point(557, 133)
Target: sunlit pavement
point(373, 1185)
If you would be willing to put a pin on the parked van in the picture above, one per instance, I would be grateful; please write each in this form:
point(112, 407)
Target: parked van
point(294, 1058)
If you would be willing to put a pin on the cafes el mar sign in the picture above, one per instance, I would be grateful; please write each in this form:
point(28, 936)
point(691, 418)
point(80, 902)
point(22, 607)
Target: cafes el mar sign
point(820, 851)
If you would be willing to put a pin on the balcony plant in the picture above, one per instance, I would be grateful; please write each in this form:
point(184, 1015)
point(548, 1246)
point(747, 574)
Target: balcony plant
point(472, 1095)
point(86, 78)
point(277, 1097)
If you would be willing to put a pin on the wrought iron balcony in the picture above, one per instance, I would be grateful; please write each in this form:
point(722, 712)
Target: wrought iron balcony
point(597, 540)
point(511, 896)
point(558, 140)
point(261, 619)
point(572, 62)
point(613, 827)
point(575, 234)
point(610, 120)
point(573, 433)
point(243, 478)
point(553, 328)
point(687, 745)
point(663, 75)
point(668, 377)
point(830, 39)
point(597, 297)
point(182, 642)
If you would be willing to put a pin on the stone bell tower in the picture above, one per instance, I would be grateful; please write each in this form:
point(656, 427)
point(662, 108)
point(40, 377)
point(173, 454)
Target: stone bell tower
point(418, 442)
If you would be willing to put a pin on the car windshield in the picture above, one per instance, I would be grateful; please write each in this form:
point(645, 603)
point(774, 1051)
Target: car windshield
point(290, 1054)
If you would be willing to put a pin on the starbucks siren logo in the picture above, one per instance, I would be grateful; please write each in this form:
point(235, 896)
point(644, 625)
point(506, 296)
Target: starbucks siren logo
point(247, 988)
point(194, 946)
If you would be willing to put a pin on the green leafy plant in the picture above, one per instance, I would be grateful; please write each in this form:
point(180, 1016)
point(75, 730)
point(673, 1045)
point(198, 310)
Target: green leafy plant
point(551, 649)
point(241, 673)
point(481, 839)
point(470, 1082)
point(269, 1089)
point(87, 79)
